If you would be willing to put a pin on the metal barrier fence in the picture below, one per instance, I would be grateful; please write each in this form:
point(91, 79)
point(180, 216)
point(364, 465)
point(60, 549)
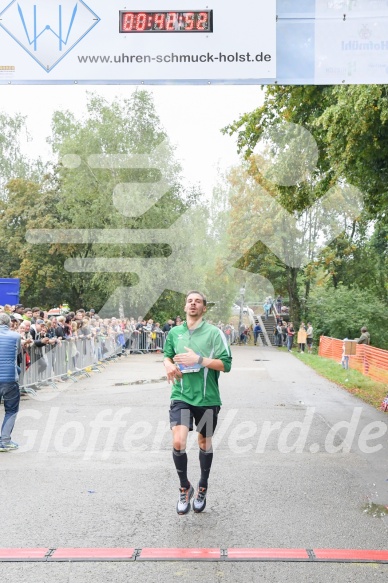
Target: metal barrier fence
point(370, 361)
point(69, 358)
point(142, 342)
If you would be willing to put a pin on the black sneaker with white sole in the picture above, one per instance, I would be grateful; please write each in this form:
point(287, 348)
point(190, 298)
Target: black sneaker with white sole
point(185, 496)
point(199, 502)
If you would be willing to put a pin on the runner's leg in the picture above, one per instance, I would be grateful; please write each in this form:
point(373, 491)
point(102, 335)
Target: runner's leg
point(205, 458)
point(179, 455)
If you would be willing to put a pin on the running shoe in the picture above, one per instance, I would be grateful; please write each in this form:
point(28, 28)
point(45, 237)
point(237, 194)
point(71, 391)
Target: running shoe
point(185, 496)
point(8, 446)
point(199, 502)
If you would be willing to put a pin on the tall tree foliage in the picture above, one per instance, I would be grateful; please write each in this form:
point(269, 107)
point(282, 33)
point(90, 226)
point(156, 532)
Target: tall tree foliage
point(21, 207)
point(13, 163)
point(78, 194)
point(349, 125)
point(95, 197)
point(355, 128)
point(30, 205)
point(341, 313)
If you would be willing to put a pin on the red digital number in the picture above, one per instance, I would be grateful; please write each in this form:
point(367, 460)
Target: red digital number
point(164, 21)
point(202, 21)
point(141, 21)
point(159, 21)
point(172, 21)
point(127, 23)
point(189, 20)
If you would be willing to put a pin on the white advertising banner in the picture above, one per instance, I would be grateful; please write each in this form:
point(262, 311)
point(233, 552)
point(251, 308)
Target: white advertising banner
point(351, 41)
point(357, 51)
point(349, 8)
point(100, 41)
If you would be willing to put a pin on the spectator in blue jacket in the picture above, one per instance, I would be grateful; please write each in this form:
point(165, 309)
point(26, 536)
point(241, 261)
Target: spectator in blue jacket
point(256, 332)
point(10, 349)
point(267, 309)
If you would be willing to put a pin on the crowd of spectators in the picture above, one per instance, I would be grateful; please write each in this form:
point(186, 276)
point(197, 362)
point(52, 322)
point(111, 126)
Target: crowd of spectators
point(40, 332)
point(40, 329)
point(284, 335)
point(276, 307)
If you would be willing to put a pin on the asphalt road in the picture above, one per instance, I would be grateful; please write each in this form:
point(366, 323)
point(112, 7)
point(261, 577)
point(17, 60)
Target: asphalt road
point(293, 468)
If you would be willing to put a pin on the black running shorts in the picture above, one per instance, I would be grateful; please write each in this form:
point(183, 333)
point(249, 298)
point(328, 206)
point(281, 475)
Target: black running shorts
point(205, 418)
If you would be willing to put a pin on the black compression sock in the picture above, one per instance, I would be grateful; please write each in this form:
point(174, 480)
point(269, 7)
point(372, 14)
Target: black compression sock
point(180, 461)
point(205, 461)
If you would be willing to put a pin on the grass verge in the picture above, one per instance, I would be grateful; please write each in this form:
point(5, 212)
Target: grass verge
point(366, 389)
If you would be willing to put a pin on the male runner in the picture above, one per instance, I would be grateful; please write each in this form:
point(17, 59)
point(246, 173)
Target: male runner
point(195, 353)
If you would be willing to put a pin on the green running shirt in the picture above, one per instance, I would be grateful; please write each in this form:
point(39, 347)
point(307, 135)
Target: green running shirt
point(198, 388)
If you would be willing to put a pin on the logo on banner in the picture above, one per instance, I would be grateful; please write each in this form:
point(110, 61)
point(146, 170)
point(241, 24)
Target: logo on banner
point(48, 30)
point(365, 32)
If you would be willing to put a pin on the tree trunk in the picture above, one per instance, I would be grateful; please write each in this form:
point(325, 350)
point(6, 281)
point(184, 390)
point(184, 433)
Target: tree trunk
point(292, 275)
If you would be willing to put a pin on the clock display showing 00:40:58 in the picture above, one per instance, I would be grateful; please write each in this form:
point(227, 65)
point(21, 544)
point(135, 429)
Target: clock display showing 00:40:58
point(166, 21)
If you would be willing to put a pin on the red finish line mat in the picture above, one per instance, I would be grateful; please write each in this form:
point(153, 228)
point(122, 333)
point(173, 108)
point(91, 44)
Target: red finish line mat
point(23, 554)
point(351, 555)
point(152, 554)
point(88, 554)
point(268, 554)
point(193, 554)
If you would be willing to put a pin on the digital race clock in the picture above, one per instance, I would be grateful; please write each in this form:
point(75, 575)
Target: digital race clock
point(166, 21)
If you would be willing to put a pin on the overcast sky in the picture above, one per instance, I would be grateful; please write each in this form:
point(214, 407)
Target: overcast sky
point(191, 115)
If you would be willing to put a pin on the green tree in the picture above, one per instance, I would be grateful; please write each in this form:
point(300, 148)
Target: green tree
point(354, 123)
point(13, 164)
point(96, 195)
point(349, 125)
point(341, 312)
point(30, 205)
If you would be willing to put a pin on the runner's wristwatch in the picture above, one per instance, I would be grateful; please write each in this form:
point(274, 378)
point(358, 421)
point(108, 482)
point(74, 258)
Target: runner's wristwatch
point(200, 360)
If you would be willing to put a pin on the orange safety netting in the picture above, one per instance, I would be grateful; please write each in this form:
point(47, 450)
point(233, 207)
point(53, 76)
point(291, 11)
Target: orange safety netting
point(370, 361)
